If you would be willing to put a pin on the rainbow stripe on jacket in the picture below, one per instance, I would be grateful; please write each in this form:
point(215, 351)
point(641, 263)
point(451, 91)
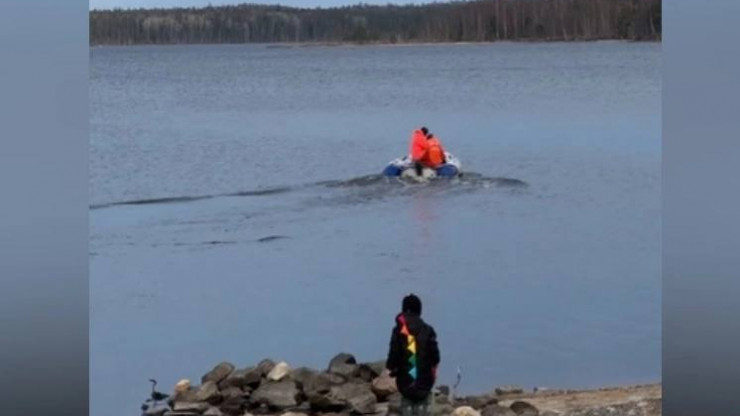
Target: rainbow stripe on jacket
point(410, 345)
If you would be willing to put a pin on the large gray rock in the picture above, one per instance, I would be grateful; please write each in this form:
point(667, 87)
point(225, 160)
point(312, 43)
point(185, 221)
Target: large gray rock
point(265, 366)
point(219, 372)
point(246, 377)
point(384, 385)
point(524, 409)
point(496, 410)
point(345, 365)
point(358, 397)
point(280, 395)
point(319, 382)
point(318, 391)
point(302, 375)
point(193, 407)
point(208, 392)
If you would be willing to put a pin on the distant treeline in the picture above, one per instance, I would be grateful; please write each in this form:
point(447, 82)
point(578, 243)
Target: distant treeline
point(460, 21)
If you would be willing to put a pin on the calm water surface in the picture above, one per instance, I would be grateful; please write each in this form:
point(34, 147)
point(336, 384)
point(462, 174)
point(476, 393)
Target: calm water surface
point(232, 215)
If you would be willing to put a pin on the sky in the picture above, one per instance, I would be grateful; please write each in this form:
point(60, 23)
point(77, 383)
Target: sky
point(110, 4)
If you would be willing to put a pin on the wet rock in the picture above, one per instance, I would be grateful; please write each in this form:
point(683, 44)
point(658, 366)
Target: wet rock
point(384, 385)
point(294, 414)
point(279, 371)
point(524, 409)
point(208, 392)
point(496, 410)
point(219, 372)
point(345, 365)
point(265, 366)
point(280, 395)
point(193, 407)
point(213, 411)
point(465, 411)
point(508, 390)
point(246, 377)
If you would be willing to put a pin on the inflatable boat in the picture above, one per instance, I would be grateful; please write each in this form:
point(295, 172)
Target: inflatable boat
point(404, 167)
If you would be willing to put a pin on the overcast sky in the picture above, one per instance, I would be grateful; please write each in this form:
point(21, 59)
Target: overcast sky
point(109, 4)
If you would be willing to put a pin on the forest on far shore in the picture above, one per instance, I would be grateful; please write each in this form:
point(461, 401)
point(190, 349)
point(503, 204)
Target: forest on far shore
point(457, 21)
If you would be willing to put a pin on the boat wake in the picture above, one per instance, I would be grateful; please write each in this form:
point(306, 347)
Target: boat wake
point(368, 186)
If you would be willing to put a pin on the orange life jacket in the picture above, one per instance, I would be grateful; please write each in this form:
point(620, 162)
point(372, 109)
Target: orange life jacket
point(435, 154)
point(418, 145)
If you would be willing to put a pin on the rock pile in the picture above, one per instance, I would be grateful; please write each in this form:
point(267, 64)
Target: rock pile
point(344, 388)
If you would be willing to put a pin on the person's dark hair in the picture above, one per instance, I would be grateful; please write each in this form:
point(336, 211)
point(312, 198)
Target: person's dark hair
point(430, 136)
point(411, 304)
point(425, 130)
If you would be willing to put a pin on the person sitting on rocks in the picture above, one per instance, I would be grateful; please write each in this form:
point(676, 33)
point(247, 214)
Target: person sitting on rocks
point(413, 358)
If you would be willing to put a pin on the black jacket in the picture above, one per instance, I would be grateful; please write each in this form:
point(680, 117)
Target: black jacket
point(415, 373)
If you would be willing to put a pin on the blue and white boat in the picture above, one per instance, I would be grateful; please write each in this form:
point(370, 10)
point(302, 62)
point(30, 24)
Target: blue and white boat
point(404, 167)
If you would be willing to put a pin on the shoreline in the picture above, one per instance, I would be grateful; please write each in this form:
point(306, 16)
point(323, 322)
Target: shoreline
point(348, 387)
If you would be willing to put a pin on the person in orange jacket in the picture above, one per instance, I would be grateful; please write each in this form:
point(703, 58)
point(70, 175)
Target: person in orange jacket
point(435, 153)
point(418, 146)
point(426, 150)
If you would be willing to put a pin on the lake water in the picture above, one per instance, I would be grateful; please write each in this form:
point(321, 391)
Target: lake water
point(232, 216)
